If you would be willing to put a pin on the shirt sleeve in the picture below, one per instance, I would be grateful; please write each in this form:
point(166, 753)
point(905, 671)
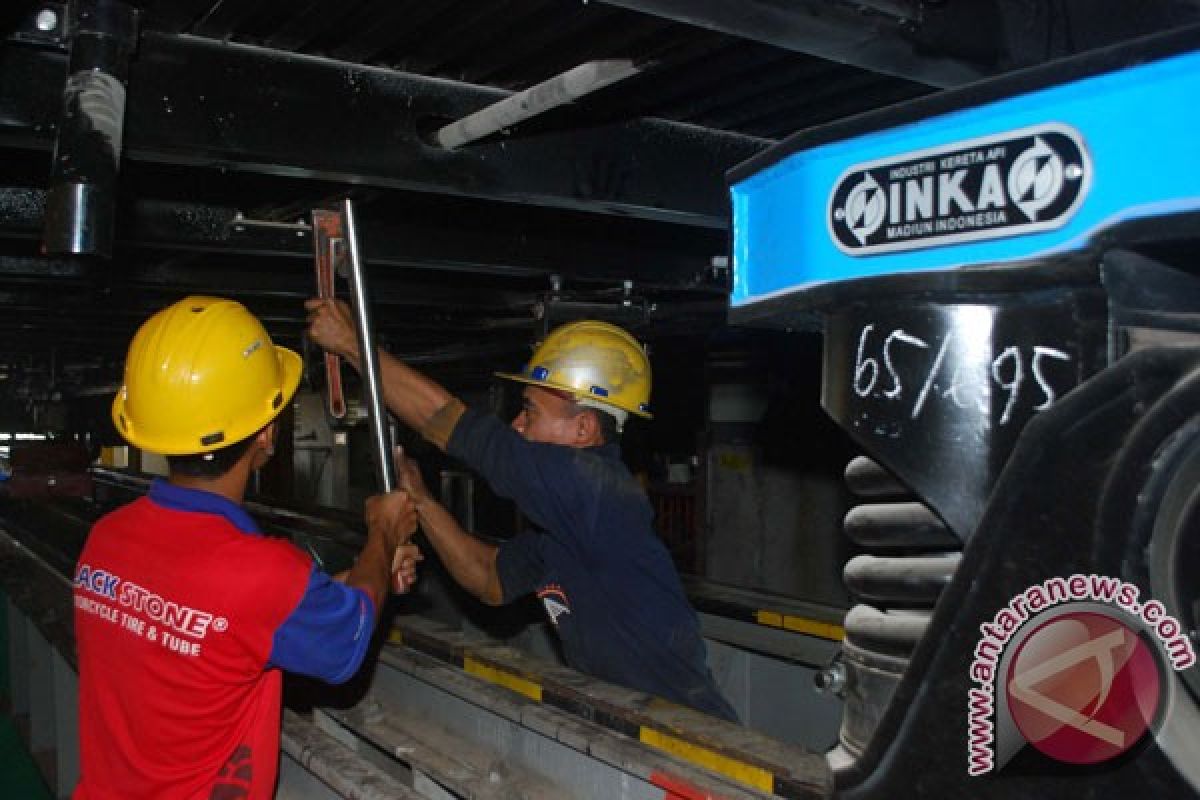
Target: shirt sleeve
point(520, 566)
point(541, 478)
point(328, 633)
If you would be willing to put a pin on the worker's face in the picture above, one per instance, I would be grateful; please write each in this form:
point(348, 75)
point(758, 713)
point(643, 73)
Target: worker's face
point(547, 417)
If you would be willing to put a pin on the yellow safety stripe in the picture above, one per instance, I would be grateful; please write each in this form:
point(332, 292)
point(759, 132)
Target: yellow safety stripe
point(748, 774)
point(812, 627)
point(508, 680)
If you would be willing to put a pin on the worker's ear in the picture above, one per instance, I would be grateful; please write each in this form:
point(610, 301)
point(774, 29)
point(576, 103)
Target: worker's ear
point(269, 432)
point(264, 442)
point(587, 428)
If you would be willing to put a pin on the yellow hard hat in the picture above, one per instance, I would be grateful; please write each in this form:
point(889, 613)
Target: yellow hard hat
point(598, 364)
point(202, 374)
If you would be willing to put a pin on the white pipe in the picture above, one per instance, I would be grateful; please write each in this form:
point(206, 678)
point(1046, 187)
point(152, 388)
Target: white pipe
point(552, 93)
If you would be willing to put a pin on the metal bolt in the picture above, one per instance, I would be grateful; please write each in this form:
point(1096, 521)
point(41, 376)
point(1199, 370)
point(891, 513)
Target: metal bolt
point(47, 20)
point(832, 679)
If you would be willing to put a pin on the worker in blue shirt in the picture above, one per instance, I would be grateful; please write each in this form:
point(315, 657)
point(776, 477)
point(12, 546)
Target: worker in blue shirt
point(603, 576)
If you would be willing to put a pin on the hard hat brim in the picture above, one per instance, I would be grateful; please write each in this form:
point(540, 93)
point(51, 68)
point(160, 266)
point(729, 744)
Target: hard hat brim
point(291, 366)
point(293, 369)
point(509, 376)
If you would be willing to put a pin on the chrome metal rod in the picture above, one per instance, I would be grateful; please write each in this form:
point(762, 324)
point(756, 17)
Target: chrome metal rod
point(385, 467)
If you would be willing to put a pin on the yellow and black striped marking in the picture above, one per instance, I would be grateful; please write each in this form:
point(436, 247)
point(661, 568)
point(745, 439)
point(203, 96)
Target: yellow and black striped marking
point(745, 767)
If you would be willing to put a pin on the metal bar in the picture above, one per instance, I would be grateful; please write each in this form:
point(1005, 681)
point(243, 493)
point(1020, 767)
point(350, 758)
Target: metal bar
point(256, 118)
point(509, 242)
point(385, 467)
point(350, 775)
point(563, 88)
point(537, 739)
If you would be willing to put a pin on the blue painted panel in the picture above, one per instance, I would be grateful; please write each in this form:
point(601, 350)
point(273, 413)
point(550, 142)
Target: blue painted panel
point(1139, 127)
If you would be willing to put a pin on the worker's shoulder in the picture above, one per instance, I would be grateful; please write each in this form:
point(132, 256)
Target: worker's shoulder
point(598, 460)
point(126, 517)
point(269, 552)
point(603, 469)
point(262, 572)
point(220, 538)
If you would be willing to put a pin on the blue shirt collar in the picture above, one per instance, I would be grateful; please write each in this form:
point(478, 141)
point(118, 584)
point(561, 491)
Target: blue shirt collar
point(608, 450)
point(179, 498)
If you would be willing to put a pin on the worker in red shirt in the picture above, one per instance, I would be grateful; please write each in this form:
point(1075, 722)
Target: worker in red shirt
point(185, 614)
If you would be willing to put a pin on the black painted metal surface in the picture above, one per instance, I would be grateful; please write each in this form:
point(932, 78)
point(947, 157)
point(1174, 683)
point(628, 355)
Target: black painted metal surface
point(1077, 471)
point(273, 108)
point(937, 387)
point(206, 104)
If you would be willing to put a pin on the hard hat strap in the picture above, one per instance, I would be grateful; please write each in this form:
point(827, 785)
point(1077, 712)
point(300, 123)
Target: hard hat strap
point(619, 414)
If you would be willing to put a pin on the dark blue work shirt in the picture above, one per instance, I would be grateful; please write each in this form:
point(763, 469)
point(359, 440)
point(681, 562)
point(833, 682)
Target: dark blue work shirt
point(604, 578)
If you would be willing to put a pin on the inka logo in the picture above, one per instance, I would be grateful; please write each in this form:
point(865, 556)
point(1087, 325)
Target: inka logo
point(1018, 182)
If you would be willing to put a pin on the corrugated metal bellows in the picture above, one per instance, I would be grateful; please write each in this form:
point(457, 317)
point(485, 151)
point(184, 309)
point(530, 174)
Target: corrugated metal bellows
point(897, 588)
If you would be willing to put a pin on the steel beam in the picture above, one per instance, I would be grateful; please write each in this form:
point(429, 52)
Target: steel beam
point(220, 105)
point(868, 33)
point(652, 257)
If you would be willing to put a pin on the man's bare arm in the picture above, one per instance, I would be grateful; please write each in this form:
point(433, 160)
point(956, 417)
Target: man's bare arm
point(470, 560)
point(408, 394)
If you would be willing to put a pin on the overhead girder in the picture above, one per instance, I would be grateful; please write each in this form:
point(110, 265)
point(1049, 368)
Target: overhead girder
point(940, 43)
point(226, 106)
point(872, 34)
point(21, 276)
point(89, 313)
point(611, 252)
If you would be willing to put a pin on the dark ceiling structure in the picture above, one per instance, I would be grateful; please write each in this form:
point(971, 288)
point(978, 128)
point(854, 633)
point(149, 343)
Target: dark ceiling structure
point(241, 116)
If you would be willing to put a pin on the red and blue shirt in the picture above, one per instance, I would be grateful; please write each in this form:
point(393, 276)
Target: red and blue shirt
point(184, 616)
